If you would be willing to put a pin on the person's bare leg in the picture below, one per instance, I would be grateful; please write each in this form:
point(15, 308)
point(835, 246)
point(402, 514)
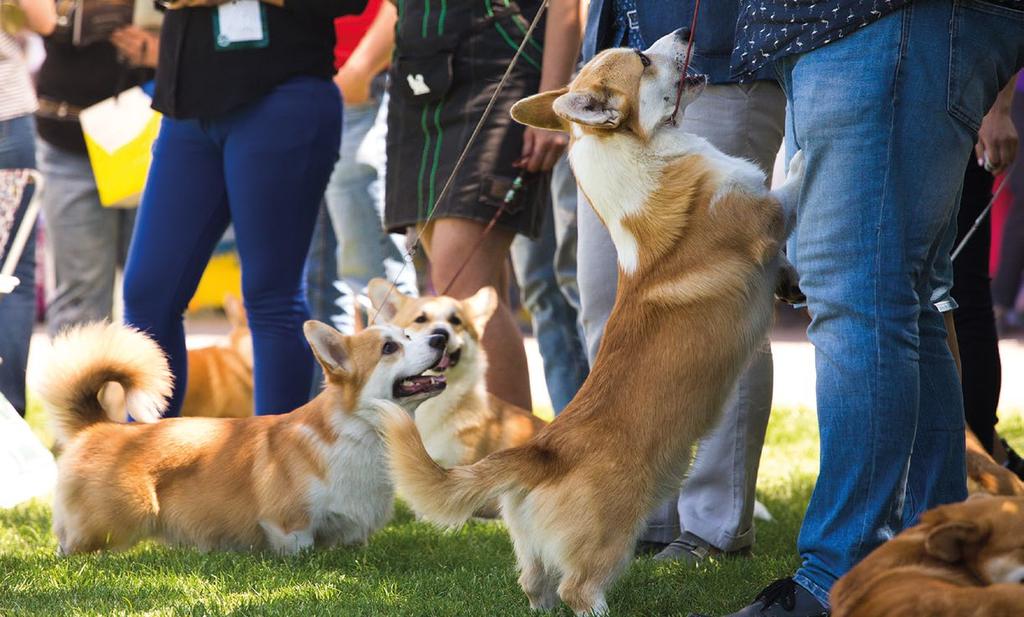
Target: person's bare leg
point(448, 244)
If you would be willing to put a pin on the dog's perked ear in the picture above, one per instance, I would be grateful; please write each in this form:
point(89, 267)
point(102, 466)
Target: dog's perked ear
point(328, 346)
point(481, 306)
point(950, 540)
point(385, 300)
point(603, 110)
point(234, 309)
point(536, 111)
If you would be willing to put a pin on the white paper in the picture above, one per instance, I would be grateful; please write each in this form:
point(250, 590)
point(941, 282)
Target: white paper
point(115, 122)
point(240, 21)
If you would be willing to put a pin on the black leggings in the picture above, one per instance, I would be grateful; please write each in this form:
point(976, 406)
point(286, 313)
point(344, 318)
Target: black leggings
point(974, 319)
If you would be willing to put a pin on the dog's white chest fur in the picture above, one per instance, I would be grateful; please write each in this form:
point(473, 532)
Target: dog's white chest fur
point(355, 498)
point(435, 419)
point(619, 175)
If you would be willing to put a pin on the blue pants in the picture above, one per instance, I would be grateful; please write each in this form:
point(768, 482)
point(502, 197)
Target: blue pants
point(545, 270)
point(886, 118)
point(17, 311)
point(262, 168)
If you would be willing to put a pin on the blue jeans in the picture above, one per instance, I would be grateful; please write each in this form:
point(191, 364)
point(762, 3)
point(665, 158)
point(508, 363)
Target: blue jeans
point(88, 242)
point(349, 245)
point(886, 118)
point(17, 310)
point(545, 270)
point(263, 168)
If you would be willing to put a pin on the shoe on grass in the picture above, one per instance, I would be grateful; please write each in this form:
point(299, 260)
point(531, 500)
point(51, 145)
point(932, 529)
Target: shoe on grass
point(1014, 462)
point(691, 549)
point(783, 598)
point(644, 548)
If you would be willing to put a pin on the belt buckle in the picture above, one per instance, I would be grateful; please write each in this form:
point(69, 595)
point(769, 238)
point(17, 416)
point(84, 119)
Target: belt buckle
point(62, 110)
point(634, 19)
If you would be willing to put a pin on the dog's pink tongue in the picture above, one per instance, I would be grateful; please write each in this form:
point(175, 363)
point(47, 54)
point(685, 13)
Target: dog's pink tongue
point(445, 362)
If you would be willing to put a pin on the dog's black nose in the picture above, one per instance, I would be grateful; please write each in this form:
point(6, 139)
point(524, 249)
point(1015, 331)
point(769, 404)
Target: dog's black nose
point(438, 339)
point(441, 332)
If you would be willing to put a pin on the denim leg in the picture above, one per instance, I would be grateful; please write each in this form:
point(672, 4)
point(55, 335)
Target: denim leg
point(279, 150)
point(179, 225)
point(354, 203)
point(563, 197)
point(873, 114)
point(322, 293)
point(84, 238)
point(17, 310)
point(554, 318)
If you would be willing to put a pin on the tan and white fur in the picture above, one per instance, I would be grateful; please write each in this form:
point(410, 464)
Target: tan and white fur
point(961, 560)
point(698, 240)
point(314, 477)
point(219, 376)
point(464, 423)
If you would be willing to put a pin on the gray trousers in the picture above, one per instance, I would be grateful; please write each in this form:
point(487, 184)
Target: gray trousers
point(716, 501)
point(89, 242)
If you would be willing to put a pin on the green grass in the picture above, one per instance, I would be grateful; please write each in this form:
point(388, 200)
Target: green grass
point(409, 568)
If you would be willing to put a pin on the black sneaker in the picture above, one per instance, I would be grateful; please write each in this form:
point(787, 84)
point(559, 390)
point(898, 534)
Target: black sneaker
point(1013, 460)
point(783, 598)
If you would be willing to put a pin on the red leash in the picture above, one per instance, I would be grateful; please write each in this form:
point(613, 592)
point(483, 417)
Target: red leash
point(686, 63)
point(509, 196)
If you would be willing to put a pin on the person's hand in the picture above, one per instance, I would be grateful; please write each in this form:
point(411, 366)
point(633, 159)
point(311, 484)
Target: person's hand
point(997, 140)
point(354, 84)
point(541, 149)
point(139, 46)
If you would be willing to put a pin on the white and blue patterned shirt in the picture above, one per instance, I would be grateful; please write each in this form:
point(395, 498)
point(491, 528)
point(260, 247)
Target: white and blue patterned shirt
point(770, 29)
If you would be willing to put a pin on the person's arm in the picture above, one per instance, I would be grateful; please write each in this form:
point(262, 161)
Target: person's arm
point(541, 148)
point(997, 137)
point(371, 56)
point(40, 15)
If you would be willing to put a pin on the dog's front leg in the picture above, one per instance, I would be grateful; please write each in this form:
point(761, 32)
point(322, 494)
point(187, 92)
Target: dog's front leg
point(787, 288)
point(287, 543)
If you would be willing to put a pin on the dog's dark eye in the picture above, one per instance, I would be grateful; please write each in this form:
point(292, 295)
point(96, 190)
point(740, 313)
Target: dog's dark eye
point(455, 321)
point(644, 60)
point(390, 347)
point(421, 319)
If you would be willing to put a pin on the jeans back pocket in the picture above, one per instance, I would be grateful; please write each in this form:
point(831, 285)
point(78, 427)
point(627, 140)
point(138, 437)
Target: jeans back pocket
point(986, 49)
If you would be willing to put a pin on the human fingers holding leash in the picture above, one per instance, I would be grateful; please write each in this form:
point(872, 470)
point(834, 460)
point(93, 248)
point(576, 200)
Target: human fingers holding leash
point(541, 149)
point(997, 137)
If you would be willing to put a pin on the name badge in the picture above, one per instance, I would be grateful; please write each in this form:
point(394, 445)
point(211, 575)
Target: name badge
point(240, 24)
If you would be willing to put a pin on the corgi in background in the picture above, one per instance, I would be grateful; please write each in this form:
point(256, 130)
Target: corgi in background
point(220, 377)
point(464, 423)
point(961, 560)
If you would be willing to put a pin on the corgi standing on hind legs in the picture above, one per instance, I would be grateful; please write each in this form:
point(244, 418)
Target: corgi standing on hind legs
point(698, 239)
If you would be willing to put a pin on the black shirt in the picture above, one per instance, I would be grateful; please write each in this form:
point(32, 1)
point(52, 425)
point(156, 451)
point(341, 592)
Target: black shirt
point(195, 80)
point(80, 77)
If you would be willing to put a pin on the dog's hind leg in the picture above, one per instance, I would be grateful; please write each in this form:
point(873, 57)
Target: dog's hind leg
point(584, 595)
point(539, 585)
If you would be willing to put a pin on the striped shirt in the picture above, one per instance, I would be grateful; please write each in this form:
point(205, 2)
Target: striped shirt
point(17, 96)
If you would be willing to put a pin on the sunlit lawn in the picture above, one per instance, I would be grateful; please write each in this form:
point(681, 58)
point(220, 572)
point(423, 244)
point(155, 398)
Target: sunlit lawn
point(409, 568)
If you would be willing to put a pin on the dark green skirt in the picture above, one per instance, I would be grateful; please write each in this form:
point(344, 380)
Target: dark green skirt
point(447, 66)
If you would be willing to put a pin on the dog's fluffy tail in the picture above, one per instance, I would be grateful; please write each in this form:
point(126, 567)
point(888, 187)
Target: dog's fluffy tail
point(449, 497)
point(86, 358)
